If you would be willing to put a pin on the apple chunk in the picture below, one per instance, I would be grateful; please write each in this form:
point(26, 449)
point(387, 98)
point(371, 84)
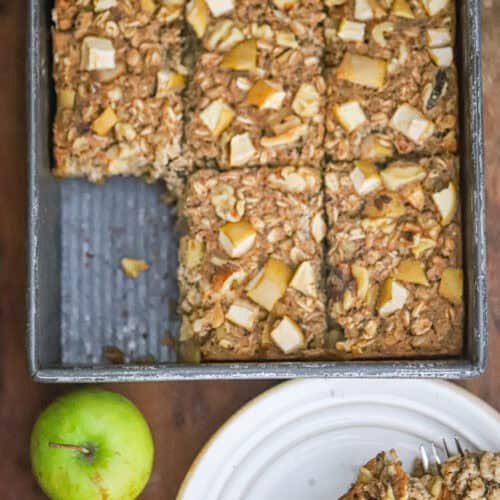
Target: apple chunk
point(411, 271)
point(220, 7)
point(266, 94)
point(411, 123)
point(441, 56)
point(270, 284)
point(105, 122)
point(439, 37)
point(364, 10)
point(197, 16)
point(433, 7)
point(191, 252)
point(365, 177)
point(243, 313)
point(452, 285)
point(396, 176)
point(446, 203)
point(217, 116)
point(241, 149)
point(363, 70)
point(362, 277)
point(401, 8)
point(237, 238)
point(376, 147)
point(351, 31)
point(392, 297)
point(288, 336)
point(304, 279)
point(350, 115)
point(242, 57)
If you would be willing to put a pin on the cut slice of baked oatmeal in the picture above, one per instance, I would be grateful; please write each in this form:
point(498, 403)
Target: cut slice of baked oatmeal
point(250, 264)
point(391, 85)
point(395, 279)
point(257, 93)
point(118, 77)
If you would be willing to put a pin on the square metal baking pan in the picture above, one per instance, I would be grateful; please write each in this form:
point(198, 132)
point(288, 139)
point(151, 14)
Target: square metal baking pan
point(79, 301)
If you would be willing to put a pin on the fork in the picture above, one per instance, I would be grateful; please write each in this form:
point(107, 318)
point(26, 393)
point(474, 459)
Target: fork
point(432, 466)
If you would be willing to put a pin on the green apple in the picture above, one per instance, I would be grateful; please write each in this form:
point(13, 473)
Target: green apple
point(92, 444)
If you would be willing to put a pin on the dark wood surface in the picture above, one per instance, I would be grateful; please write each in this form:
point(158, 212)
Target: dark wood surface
point(182, 415)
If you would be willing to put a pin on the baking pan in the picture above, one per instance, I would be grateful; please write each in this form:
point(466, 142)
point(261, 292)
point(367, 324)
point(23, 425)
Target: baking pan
point(79, 301)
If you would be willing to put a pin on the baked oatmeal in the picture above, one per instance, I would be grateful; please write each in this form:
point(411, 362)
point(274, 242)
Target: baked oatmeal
point(391, 87)
point(382, 477)
point(257, 93)
point(250, 264)
point(473, 476)
point(395, 283)
point(118, 76)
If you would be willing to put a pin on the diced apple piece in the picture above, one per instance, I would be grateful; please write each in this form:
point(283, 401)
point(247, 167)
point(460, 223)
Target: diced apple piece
point(392, 297)
point(224, 35)
point(285, 5)
point(452, 285)
point(197, 16)
point(105, 121)
point(441, 56)
point(167, 82)
point(364, 10)
point(318, 228)
point(191, 252)
point(385, 204)
point(439, 37)
point(243, 313)
point(350, 115)
point(351, 31)
point(411, 271)
point(446, 203)
point(412, 124)
point(220, 7)
point(217, 116)
point(289, 136)
point(148, 6)
point(286, 39)
point(379, 31)
point(395, 176)
point(241, 150)
point(97, 53)
point(376, 147)
point(237, 238)
point(66, 98)
point(365, 177)
point(270, 284)
point(100, 5)
point(288, 336)
point(401, 8)
point(422, 246)
point(362, 277)
point(266, 94)
point(133, 267)
point(242, 57)
point(433, 7)
point(363, 70)
point(304, 279)
point(307, 100)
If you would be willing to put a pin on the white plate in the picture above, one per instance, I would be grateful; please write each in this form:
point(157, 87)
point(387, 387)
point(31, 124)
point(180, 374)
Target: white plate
point(305, 439)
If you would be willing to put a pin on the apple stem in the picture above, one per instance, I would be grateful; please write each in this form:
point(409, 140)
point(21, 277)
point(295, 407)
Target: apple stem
point(81, 449)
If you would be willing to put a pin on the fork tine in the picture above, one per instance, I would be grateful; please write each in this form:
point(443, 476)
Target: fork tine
point(425, 458)
point(459, 447)
point(435, 454)
point(446, 449)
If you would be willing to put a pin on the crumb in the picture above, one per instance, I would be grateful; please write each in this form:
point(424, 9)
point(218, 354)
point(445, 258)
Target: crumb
point(134, 267)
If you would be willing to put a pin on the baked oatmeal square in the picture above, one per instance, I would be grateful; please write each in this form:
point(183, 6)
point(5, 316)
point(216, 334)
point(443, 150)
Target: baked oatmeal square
point(257, 93)
point(118, 76)
point(250, 264)
point(395, 279)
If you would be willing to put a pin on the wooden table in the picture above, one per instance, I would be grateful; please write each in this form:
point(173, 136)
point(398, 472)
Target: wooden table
point(182, 415)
